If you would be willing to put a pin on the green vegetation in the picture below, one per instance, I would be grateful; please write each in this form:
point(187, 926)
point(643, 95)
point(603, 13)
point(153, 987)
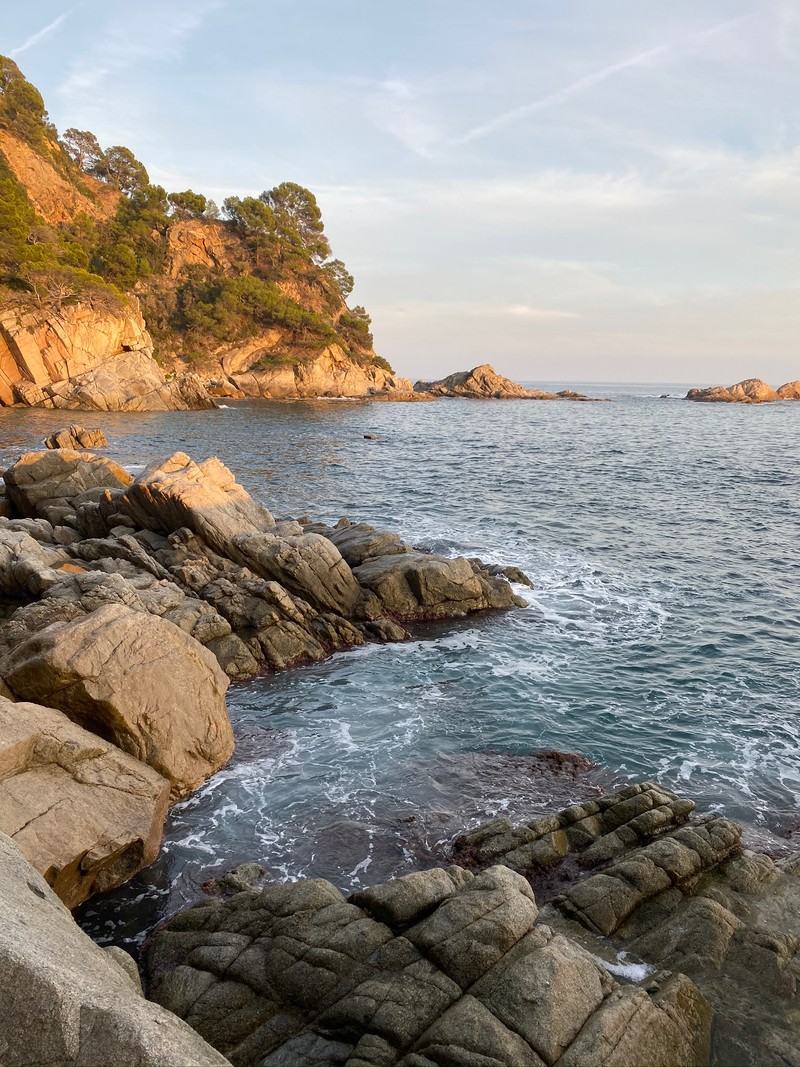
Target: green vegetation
point(279, 271)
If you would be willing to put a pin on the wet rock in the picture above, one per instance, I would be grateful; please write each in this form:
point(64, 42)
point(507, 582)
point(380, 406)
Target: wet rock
point(635, 873)
point(135, 680)
point(86, 815)
point(438, 967)
point(75, 437)
point(63, 999)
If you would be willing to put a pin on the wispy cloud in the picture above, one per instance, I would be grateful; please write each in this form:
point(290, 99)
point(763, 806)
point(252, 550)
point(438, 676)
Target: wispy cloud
point(641, 59)
point(40, 35)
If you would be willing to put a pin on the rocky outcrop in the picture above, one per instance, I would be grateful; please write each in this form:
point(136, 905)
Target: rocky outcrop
point(438, 967)
point(84, 814)
point(200, 243)
point(790, 391)
point(76, 437)
point(83, 357)
point(641, 882)
point(250, 370)
point(63, 1000)
point(748, 391)
point(139, 682)
point(185, 543)
point(484, 383)
point(55, 199)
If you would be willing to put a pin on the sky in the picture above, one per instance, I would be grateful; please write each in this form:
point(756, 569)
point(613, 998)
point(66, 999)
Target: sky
point(568, 190)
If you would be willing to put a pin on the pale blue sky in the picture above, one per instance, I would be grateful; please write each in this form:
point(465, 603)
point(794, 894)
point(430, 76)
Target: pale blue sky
point(566, 189)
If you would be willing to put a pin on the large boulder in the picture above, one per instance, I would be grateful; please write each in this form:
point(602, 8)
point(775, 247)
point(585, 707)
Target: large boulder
point(84, 814)
point(439, 967)
point(136, 680)
point(63, 1000)
point(42, 481)
point(204, 497)
point(415, 585)
point(790, 391)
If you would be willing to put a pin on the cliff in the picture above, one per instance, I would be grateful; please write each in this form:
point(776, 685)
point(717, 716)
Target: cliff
point(85, 357)
point(96, 262)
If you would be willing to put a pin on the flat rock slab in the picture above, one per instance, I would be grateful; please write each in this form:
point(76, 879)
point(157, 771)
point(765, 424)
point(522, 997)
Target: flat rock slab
point(65, 1001)
point(438, 967)
point(136, 680)
point(84, 814)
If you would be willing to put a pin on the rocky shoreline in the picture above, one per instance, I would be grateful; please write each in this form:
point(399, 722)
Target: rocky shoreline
point(624, 929)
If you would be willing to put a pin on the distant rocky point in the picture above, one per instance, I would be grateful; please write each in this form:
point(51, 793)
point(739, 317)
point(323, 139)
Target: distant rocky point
point(484, 383)
point(748, 391)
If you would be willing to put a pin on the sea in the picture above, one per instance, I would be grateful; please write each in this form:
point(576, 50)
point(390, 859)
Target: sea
point(660, 640)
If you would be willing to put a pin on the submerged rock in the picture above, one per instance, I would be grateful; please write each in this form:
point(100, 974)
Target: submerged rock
point(437, 967)
point(63, 1000)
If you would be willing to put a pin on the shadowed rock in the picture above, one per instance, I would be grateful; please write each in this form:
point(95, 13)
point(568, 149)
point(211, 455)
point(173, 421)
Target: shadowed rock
point(439, 967)
point(63, 1000)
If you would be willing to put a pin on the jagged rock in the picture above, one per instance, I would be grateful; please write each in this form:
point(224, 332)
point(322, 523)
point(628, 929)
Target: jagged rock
point(75, 438)
point(63, 999)
point(331, 373)
point(439, 967)
point(86, 815)
point(748, 391)
point(204, 497)
point(42, 482)
point(634, 875)
point(27, 566)
point(130, 381)
point(136, 680)
point(359, 541)
point(790, 391)
point(484, 383)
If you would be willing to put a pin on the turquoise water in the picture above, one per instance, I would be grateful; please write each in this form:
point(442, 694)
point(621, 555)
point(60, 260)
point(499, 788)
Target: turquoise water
point(661, 639)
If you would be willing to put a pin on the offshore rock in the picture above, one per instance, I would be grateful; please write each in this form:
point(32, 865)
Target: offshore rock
point(790, 391)
point(84, 814)
point(135, 680)
point(438, 967)
point(63, 1000)
point(748, 391)
point(634, 876)
point(484, 383)
point(75, 438)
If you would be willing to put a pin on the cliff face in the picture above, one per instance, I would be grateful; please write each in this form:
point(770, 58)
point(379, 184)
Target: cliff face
point(55, 199)
point(85, 357)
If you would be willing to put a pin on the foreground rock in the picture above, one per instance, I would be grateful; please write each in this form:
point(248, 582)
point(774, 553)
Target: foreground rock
point(484, 383)
point(184, 542)
point(139, 682)
point(75, 438)
point(439, 967)
point(749, 391)
point(633, 876)
point(63, 1000)
point(84, 814)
